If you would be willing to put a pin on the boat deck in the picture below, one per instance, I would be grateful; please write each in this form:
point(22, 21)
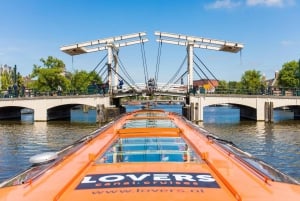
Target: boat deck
point(154, 155)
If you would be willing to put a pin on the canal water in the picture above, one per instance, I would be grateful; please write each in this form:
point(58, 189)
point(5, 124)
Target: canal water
point(276, 143)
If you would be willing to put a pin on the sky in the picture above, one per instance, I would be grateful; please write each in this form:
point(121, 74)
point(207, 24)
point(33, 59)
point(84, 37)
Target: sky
point(268, 29)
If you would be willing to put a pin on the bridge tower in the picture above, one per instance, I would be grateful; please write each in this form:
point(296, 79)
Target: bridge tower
point(112, 46)
point(192, 42)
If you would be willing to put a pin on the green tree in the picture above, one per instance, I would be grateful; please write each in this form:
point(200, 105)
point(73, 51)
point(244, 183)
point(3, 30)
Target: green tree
point(234, 87)
point(53, 62)
point(298, 73)
point(81, 80)
point(222, 87)
point(6, 80)
point(252, 82)
point(287, 76)
point(20, 79)
point(50, 75)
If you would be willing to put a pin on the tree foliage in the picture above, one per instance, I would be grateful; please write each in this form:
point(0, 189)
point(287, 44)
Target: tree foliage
point(52, 62)
point(288, 75)
point(235, 87)
point(81, 80)
point(50, 75)
point(252, 82)
point(6, 80)
point(222, 87)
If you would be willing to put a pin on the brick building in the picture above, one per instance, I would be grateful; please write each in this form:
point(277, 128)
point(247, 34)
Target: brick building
point(207, 84)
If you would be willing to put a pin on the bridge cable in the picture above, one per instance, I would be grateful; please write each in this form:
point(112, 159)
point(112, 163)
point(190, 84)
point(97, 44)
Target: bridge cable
point(158, 62)
point(181, 76)
point(198, 73)
point(206, 67)
point(123, 69)
point(105, 79)
point(72, 63)
point(99, 63)
point(95, 69)
point(144, 62)
point(101, 69)
point(124, 80)
point(204, 74)
point(176, 73)
point(241, 61)
point(101, 74)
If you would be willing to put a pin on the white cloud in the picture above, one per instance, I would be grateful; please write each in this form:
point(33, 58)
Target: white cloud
point(270, 3)
point(288, 43)
point(223, 4)
point(228, 4)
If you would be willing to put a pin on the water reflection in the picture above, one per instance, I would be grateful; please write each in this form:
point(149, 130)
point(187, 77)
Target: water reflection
point(219, 114)
point(76, 116)
point(19, 141)
point(231, 114)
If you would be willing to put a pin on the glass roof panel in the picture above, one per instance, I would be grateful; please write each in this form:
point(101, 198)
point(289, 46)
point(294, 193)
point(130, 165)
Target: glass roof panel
point(151, 114)
point(149, 149)
point(149, 123)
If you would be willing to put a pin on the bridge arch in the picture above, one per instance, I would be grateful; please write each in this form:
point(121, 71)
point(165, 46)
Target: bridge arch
point(47, 108)
point(250, 107)
point(246, 111)
point(295, 109)
point(60, 111)
point(284, 104)
point(10, 112)
point(292, 103)
point(235, 102)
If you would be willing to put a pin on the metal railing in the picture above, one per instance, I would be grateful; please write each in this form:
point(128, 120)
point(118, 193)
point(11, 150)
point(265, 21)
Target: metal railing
point(104, 91)
point(280, 91)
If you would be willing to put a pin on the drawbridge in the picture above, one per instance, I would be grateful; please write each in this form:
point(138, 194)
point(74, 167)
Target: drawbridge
point(118, 78)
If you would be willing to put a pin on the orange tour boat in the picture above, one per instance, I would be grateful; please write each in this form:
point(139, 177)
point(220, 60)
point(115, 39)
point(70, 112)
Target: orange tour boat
point(150, 155)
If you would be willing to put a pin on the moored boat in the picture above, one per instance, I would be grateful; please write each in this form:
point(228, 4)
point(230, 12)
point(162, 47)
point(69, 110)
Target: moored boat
point(150, 155)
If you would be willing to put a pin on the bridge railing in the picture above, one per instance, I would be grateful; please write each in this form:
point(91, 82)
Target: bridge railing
point(280, 91)
point(103, 91)
point(37, 93)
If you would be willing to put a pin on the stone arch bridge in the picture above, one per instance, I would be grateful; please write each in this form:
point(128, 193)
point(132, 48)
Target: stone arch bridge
point(48, 107)
point(259, 108)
